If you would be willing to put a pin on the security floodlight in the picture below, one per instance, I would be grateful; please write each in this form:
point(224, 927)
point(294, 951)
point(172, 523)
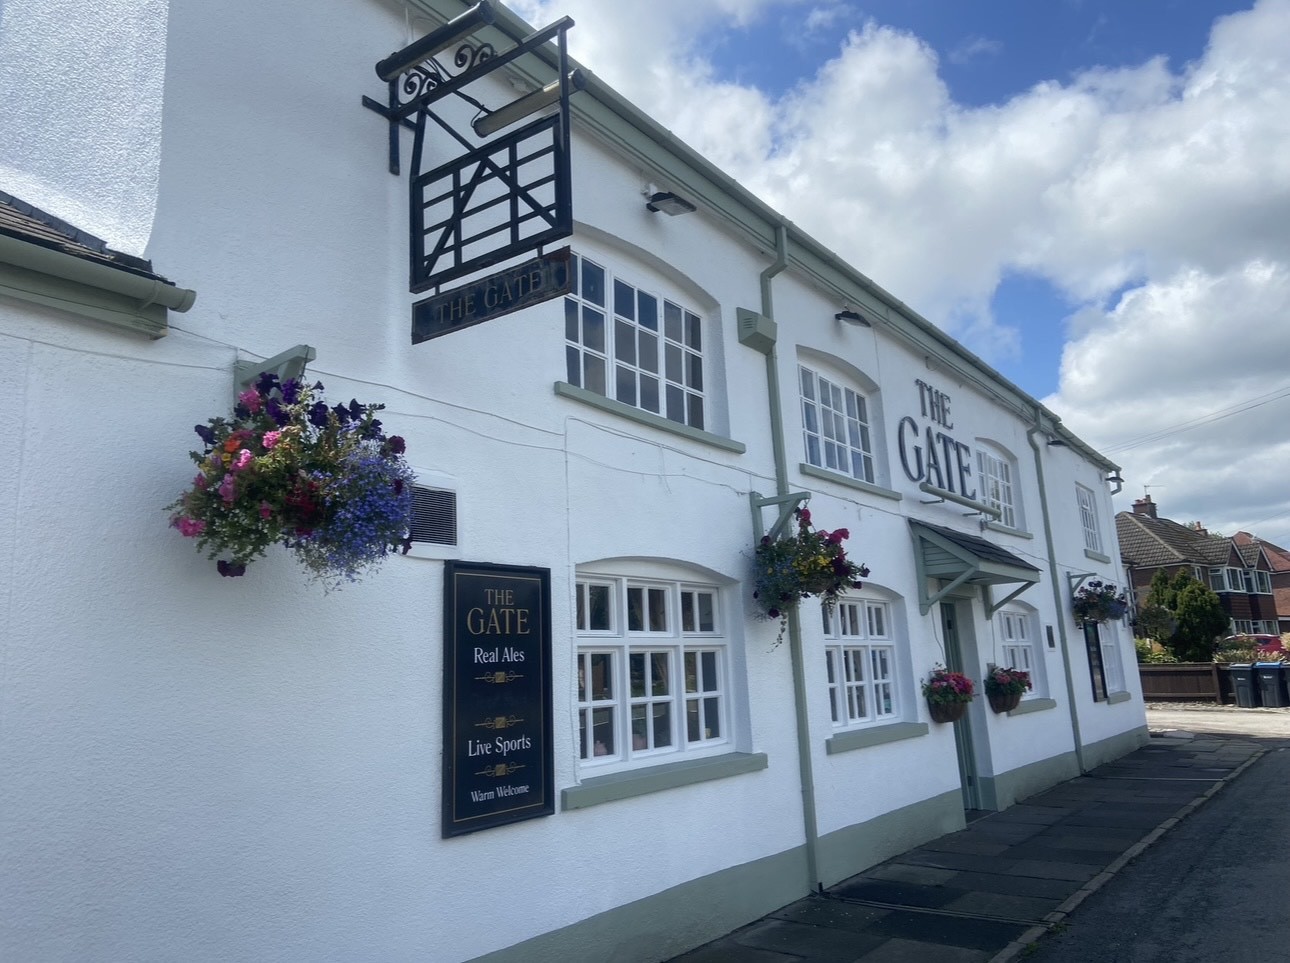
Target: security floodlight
point(853, 317)
point(530, 103)
point(665, 202)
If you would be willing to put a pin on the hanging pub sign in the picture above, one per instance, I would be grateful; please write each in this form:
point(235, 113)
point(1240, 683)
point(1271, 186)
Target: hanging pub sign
point(497, 760)
point(540, 279)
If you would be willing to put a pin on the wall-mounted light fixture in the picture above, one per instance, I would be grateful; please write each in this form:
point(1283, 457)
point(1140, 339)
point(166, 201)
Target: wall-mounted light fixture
point(436, 41)
point(665, 202)
point(853, 317)
point(530, 103)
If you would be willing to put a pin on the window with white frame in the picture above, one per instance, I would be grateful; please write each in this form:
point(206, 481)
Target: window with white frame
point(835, 426)
point(860, 657)
point(633, 346)
point(653, 670)
point(1263, 583)
point(997, 475)
point(1018, 651)
point(1088, 517)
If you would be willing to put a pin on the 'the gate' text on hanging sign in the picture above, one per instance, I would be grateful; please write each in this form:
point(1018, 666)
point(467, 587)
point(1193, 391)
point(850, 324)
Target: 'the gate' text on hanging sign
point(537, 280)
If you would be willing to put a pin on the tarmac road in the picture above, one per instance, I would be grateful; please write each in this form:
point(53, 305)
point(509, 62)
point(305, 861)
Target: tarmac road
point(1213, 888)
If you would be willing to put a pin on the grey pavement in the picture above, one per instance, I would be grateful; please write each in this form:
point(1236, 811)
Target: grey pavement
point(1016, 878)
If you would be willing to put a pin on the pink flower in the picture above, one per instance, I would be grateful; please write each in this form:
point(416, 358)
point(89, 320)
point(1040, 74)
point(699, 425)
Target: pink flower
point(837, 535)
point(190, 527)
point(265, 509)
point(243, 459)
point(271, 438)
point(200, 482)
point(226, 488)
point(251, 398)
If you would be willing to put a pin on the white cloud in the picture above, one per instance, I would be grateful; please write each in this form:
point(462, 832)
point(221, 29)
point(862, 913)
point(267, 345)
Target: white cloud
point(1157, 200)
point(974, 47)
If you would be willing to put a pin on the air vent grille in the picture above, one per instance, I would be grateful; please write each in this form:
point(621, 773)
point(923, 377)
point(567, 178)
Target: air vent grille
point(434, 515)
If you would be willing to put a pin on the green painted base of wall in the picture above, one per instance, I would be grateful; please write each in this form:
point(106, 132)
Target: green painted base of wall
point(1097, 753)
point(845, 852)
point(667, 924)
point(1006, 789)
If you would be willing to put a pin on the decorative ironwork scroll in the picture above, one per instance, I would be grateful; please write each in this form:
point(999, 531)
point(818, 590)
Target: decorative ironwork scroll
point(485, 203)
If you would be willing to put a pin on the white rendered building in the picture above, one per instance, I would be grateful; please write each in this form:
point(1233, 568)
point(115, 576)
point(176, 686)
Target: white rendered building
point(201, 768)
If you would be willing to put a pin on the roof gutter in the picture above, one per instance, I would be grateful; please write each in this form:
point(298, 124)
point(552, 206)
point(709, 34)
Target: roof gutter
point(140, 288)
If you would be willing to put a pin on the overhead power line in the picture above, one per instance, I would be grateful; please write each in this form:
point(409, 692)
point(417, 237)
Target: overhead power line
point(1207, 419)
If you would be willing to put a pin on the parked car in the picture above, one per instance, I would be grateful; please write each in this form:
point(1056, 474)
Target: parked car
point(1271, 643)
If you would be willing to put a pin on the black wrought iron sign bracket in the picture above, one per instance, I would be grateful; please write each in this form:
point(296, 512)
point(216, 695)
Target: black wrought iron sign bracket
point(484, 203)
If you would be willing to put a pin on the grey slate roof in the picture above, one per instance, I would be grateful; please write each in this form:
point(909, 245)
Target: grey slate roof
point(21, 220)
point(1148, 542)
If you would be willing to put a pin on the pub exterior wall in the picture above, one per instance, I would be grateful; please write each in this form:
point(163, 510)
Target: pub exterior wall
point(204, 768)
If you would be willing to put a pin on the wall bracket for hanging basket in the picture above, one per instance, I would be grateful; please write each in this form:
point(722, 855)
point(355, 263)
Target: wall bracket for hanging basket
point(788, 504)
point(288, 364)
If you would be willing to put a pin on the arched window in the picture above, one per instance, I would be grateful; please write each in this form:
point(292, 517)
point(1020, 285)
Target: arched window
point(998, 483)
point(837, 423)
point(861, 663)
point(654, 670)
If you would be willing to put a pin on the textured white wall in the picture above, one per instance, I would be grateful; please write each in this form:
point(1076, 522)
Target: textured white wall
point(80, 105)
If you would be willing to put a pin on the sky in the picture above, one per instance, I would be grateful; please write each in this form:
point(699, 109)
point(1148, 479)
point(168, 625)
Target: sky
point(1092, 195)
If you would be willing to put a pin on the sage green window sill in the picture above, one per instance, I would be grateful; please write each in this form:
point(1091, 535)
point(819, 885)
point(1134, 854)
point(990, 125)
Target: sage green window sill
point(1033, 705)
point(848, 482)
point(1097, 556)
point(566, 390)
point(669, 775)
point(1117, 697)
point(876, 736)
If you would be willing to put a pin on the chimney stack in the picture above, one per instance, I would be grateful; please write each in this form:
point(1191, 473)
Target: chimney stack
point(1145, 506)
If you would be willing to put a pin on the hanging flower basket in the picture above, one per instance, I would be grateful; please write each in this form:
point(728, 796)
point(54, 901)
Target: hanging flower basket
point(1098, 601)
point(1003, 702)
point(947, 693)
point(947, 711)
point(326, 483)
point(810, 563)
point(1005, 687)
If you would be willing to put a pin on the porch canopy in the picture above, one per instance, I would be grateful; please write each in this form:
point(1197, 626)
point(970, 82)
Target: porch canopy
point(959, 559)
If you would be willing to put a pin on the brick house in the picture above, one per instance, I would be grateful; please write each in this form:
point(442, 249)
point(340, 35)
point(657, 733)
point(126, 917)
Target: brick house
point(1240, 570)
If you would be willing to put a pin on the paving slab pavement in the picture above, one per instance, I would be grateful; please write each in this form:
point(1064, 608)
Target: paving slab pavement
point(985, 893)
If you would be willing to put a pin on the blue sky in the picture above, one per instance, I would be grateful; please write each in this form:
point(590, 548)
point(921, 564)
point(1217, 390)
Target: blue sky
point(988, 53)
point(1093, 196)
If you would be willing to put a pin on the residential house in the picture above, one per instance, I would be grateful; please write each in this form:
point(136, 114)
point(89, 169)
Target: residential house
point(1239, 569)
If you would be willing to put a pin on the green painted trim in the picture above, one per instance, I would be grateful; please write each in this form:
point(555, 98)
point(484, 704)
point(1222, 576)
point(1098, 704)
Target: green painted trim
point(853, 849)
point(669, 923)
point(85, 301)
point(1008, 788)
point(848, 482)
point(670, 775)
point(1097, 556)
point(1033, 705)
point(1121, 744)
point(1115, 698)
point(1005, 530)
point(875, 736)
point(574, 393)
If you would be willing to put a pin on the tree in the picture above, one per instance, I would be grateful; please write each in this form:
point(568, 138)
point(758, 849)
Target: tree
point(1201, 620)
point(1195, 610)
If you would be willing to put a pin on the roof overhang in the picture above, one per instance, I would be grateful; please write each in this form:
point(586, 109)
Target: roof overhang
point(958, 559)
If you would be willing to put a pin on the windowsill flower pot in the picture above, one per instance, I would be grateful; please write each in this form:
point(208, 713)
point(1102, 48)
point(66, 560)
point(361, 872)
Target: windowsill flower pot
point(948, 694)
point(326, 483)
point(811, 563)
point(1005, 687)
point(1099, 601)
